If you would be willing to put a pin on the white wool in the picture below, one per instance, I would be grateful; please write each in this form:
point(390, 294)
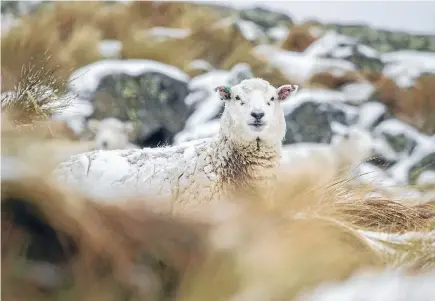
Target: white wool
point(340, 158)
point(197, 172)
point(111, 133)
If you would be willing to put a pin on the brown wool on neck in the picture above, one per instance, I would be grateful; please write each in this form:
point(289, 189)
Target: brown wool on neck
point(248, 166)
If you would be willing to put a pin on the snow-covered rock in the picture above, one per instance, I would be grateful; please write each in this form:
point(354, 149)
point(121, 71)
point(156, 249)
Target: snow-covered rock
point(146, 92)
point(401, 137)
point(251, 31)
point(310, 113)
point(299, 66)
point(278, 33)
point(371, 114)
point(358, 93)
point(404, 67)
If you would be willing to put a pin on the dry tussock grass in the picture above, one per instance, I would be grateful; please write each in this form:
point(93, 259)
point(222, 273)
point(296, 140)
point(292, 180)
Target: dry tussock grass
point(414, 105)
point(55, 33)
point(72, 31)
point(308, 234)
point(334, 82)
point(30, 106)
point(222, 46)
point(299, 38)
point(36, 95)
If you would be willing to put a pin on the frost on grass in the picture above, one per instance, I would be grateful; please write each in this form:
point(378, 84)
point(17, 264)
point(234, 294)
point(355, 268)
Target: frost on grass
point(38, 95)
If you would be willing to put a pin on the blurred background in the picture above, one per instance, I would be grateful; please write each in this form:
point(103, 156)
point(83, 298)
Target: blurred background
point(123, 74)
point(155, 64)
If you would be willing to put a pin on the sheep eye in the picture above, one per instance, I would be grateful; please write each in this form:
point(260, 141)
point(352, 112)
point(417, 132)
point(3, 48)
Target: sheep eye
point(272, 99)
point(238, 97)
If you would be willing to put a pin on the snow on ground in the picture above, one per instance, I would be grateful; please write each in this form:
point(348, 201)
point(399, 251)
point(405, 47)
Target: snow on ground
point(76, 114)
point(388, 285)
point(8, 21)
point(369, 113)
point(86, 79)
point(167, 32)
point(200, 65)
point(358, 93)
point(409, 56)
point(426, 178)
point(328, 42)
point(211, 104)
point(279, 33)
point(250, 30)
point(405, 66)
point(110, 48)
point(400, 171)
point(206, 130)
point(298, 66)
point(293, 153)
point(395, 127)
point(321, 96)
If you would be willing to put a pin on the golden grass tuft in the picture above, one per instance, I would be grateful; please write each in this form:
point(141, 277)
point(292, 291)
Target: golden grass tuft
point(24, 46)
point(222, 46)
point(414, 105)
point(37, 95)
point(330, 81)
point(56, 33)
point(83, 46)
point(72, 32)
point(299, 38)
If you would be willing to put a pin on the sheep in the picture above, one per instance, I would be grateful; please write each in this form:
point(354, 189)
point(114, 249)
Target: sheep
point(339, 159)
point(243, 156)
point(111, 133)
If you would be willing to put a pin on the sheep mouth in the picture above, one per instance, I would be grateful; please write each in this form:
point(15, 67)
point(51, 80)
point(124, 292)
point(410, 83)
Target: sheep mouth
point(257, 126)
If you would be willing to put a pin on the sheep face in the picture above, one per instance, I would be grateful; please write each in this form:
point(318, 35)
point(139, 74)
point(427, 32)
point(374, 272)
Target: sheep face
point(253, 110)
point(111, 133)
point(356, 145)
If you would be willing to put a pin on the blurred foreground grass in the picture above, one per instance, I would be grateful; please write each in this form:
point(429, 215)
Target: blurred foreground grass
point(60, 245)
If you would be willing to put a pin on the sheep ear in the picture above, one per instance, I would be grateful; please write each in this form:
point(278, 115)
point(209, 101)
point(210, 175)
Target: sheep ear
point(285, 91)
point(224, 92)
point(93, 125)
point(128, 127)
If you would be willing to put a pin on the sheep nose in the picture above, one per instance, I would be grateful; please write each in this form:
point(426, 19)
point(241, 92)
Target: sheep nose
point(105, 144)
point(257, 115)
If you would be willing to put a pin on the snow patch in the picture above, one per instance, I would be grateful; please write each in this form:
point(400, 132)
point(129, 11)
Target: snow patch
point(278, 33)
point(110, 48)
point(211, 104)
point(369, 113)
point(426, 178)
point(167, 32)
point(200, 65)
point(299, 66)
point(85, 80)
point(328, 43)
point(206, 130)
point(250, 30)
